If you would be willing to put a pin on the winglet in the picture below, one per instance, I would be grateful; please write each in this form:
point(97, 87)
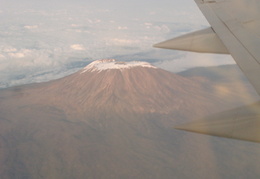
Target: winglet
point(240, 123)
point(205, 41)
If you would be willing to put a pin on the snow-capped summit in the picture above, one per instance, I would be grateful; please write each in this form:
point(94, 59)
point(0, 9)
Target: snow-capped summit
point(104, 124)
point(108, 64)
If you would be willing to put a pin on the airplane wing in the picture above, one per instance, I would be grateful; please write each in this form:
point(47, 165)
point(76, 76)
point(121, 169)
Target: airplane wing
point(240, 123)
point(235, 29)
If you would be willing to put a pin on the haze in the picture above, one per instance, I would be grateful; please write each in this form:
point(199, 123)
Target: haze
point(114, 123)
point(46, 40)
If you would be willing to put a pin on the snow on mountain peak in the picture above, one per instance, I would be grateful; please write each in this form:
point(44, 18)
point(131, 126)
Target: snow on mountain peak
point(108, 64)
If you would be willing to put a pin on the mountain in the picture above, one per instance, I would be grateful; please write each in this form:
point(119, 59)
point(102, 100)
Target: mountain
point(115, 120)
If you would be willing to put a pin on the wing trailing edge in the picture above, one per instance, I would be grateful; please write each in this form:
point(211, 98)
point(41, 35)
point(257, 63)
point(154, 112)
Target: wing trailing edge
point(241, 123)
point(203, 41)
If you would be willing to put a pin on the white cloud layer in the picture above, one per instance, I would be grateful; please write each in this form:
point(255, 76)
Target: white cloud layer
point(40, 41)
point(31, 26)
point(77, 47)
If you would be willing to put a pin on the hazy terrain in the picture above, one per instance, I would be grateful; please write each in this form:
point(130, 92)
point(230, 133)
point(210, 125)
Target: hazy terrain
point(224, 81)
point(119, 124)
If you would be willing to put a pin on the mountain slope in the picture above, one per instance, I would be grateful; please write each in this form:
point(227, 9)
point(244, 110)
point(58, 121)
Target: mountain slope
point(113, 120)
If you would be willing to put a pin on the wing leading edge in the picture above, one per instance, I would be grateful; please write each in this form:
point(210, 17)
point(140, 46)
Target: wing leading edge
point(235, 29)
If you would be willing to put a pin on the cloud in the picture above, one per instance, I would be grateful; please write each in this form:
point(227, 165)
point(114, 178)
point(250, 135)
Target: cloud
point(75, 25)
point(38, 43)
point(122, 28)
point(9, 49)
point(162, 28)
point(16, 55)
point(77, 47)
point(94, 21)
point(31, 27)
point(2, 56)
point(148, 24)
point(118, 41)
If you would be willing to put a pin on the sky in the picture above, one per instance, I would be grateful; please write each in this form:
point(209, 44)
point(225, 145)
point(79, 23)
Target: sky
point(45, 40)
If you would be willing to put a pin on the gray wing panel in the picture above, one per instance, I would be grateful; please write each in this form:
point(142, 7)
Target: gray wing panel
point(240, 123)
point(237, 24)
point(203, 41)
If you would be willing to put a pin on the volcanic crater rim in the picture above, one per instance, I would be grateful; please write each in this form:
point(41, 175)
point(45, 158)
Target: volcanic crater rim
point(110, 64)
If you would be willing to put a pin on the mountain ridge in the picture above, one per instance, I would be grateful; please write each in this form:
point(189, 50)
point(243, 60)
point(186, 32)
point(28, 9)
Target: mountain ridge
point(139, 89)
point(113, 124)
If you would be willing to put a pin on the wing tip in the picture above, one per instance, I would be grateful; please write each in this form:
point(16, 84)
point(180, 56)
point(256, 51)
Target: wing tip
point(241, 124)
point(203, 41)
